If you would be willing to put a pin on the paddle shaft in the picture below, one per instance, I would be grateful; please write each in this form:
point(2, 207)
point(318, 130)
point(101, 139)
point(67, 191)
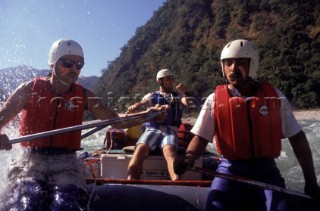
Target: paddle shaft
point(91, 124)
point(249, 181)
point(94, 130)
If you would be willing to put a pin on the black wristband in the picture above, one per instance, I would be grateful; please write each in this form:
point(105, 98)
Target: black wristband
point(187, 93)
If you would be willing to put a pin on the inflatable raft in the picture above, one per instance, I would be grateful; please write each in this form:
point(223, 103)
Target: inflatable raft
point(146, 197)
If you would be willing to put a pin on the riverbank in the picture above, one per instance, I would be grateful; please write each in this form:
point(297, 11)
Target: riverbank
point(313, 114)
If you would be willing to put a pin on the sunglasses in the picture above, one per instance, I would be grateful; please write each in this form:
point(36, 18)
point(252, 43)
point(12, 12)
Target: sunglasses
point(67, 63)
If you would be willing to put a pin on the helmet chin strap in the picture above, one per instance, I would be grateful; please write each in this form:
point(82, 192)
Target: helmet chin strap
point(162, 85)
point(59, 79)
point(164, 89)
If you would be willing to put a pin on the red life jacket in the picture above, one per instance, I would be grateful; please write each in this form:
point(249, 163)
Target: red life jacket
point(248, 131)
point(48, 111)
point(184, 134)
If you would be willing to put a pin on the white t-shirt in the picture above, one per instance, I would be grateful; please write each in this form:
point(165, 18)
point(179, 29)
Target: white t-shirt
point(205, 124)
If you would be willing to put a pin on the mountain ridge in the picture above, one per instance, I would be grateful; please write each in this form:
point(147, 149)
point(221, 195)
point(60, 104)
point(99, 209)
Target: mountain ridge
point(11, 78)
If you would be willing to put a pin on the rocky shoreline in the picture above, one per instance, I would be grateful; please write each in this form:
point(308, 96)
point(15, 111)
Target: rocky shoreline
point(313, 114)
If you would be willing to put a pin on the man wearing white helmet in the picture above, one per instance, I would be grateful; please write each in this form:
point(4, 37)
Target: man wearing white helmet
point(161, 132)
point(247, 119)
point(49, 176)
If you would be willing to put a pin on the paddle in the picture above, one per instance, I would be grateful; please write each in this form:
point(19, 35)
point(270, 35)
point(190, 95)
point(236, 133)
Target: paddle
point(90, 132)
point(90, 124)
point(85, 135)
point(249, 181)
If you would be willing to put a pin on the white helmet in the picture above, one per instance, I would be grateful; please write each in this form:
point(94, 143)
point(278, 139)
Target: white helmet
point(241, 49)
point(63, 47)
point(163, 73)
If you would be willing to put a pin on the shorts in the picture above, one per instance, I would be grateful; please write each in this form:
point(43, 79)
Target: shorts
point(157, 137)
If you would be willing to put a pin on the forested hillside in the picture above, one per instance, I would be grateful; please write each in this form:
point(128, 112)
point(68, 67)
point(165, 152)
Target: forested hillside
point(187, 36)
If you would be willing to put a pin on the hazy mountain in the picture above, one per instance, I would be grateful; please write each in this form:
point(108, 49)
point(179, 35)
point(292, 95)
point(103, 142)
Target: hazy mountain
point(11, 78)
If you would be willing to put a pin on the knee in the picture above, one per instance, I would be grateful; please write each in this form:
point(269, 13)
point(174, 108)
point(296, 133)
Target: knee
point(169, 151)
point(142, 150)
point(139, 155)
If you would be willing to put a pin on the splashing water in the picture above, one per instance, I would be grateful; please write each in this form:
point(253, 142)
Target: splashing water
point(287, 162)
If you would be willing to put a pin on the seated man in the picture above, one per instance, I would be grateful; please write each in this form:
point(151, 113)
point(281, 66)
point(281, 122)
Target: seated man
point(161, 132)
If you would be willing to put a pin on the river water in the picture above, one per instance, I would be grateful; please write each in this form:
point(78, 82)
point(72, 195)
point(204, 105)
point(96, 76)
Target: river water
point(287, 162)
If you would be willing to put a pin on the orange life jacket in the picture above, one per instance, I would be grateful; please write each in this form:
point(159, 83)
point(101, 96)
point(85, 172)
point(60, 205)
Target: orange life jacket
point(248, 128)
point(48, 111)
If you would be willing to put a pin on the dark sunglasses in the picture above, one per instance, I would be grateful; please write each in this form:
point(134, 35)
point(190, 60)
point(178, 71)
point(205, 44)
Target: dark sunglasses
point(67, 63)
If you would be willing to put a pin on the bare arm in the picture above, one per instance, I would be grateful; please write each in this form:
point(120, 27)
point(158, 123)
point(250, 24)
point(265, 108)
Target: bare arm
point(194, 151)
point(186, 100)
point(97, 108)
point(16, 102)
point(12, 107)
point(303, 153)
point(100, 111)
point(196, 147)
point(144, 103)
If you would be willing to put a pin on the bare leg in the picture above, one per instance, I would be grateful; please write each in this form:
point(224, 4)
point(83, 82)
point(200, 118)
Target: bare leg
point(135, 165)
point(170, 154)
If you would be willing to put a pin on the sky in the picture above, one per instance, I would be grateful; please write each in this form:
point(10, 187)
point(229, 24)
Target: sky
point(102, 27)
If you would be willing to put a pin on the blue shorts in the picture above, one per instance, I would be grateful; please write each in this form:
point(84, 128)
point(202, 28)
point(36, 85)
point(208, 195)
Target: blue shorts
point(157, 137)
point(233, 195)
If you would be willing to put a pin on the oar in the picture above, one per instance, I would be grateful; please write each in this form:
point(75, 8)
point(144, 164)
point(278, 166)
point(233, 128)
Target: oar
point(90, 132)
point(249, 181)
point(94, 130)
point(86, 125)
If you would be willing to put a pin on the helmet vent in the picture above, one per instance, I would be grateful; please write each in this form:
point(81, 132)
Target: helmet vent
point(241, 44)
